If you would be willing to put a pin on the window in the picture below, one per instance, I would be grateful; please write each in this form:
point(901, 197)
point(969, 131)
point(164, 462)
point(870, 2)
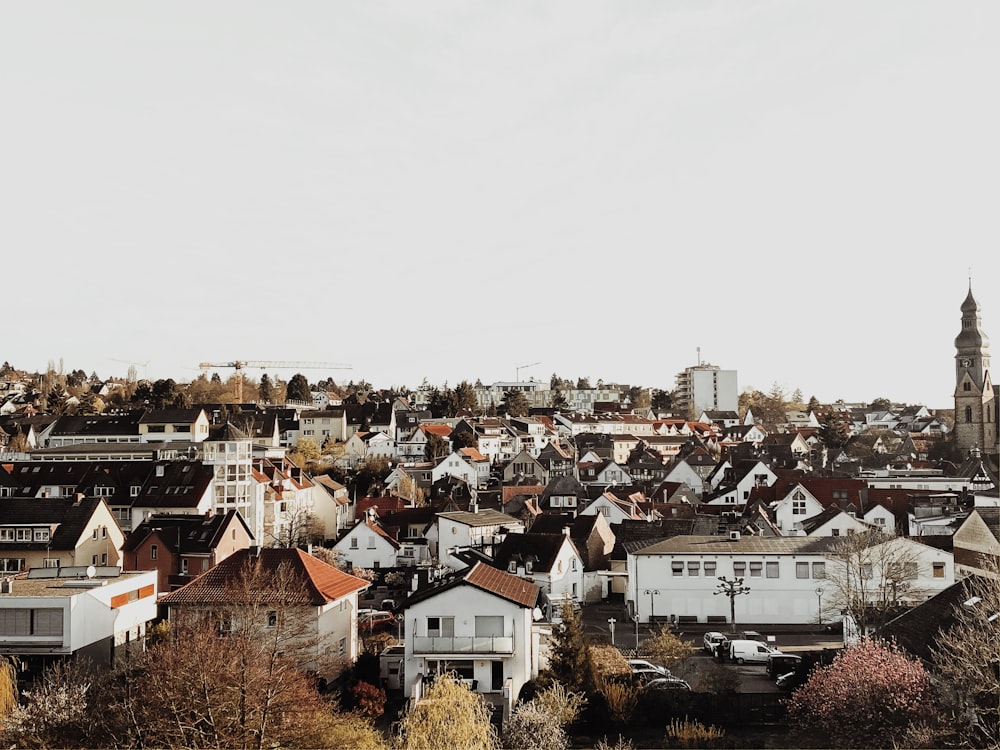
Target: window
point(756, 568)
point(41, 535)
point(938, 569)
point(441, 627)
point(834, 532)
point(710, 567)
point(6, 535)
point(798, 507)
point(184, 566)
point(11, 564)
point(866, 571)
point(371, 542)
point(801, 570)
point(771, 569)
point(342, 647)
point(47, 621)
point(15, 621)
point(966, 386)
point(153, 550)
point(272, 619)
point(51, 563)
point(489, 626)
point(104, 558)
point(95, 534)
point(104, 532)
point(354, 542)
point(528, 566)
point(24, 535)
point(694, 568)
point(677, 567)
point(739, 568)
point(605, 510)
point(572, 564)
point(512, 566)
point(819, 570)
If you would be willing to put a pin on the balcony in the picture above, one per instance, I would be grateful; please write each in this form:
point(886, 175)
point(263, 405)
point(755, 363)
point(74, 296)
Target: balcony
point(496, 644)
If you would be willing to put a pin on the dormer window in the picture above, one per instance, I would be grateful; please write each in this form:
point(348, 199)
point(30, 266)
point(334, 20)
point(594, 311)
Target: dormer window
point(528, 566)
point(512, 566)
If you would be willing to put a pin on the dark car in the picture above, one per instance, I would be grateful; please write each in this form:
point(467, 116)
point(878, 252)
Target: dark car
point(779, 664)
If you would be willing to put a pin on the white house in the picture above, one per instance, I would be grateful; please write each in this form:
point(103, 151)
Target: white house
point(551, 561)
point(73, 611)
point(736, 486)
point(461, 530)
point(457, 465)
point(367, 545)
point(831, 522)
point(796, 506)
point(613, 509)
point(323, 607)
point(477, 623)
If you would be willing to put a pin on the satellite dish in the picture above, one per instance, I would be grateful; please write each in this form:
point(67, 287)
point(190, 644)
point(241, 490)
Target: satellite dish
point(91, 571)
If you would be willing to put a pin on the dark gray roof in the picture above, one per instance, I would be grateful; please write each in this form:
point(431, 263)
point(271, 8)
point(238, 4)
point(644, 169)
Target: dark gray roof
point(71, 518)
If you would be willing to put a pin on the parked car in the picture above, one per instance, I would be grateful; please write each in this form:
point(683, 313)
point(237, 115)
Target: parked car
point(752, 635)
point(779, 663)
point(712, 639)
point(667, 683)
point(744, 651)
point(645, 676)
point(635, 664)
point(377, 620)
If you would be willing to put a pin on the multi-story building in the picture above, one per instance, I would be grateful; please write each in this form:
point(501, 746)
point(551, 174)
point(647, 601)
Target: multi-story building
point(705, 387)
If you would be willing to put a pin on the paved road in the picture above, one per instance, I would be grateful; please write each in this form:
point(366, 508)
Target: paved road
point(753, 677)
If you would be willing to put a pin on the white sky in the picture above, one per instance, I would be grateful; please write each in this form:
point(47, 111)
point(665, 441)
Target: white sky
point(452, 189)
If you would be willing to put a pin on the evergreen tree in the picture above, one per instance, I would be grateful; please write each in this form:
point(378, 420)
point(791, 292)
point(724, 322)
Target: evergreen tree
point(571, 662)
point(265, 390)
point(298, 388)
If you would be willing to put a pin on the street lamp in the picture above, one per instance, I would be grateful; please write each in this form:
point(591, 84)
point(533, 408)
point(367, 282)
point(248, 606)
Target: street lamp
point(652, 604)
point(819, 605)
point(635, 619)
point(732, 589)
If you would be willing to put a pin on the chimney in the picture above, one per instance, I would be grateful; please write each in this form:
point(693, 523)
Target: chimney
point(566, 530)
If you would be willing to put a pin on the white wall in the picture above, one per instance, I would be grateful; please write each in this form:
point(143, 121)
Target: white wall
point(464, 603)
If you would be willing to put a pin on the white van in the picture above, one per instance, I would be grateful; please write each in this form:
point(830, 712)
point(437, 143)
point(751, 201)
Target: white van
point(753, 652)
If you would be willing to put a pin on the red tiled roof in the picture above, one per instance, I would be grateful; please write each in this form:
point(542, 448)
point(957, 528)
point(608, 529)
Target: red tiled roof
point(321, 583)
point(503, 584)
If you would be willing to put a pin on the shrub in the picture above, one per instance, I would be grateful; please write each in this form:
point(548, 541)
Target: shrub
point(694, 734)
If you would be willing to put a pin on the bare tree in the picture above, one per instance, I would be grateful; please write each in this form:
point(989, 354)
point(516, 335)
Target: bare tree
point(870, 577)
point(967, 658)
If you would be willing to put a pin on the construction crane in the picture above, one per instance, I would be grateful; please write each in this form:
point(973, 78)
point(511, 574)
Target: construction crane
point(241, 364)
point(517, 371)
point(133, 366)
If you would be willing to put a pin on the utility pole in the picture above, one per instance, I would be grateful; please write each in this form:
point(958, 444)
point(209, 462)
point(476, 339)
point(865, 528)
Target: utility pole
point(732, 589)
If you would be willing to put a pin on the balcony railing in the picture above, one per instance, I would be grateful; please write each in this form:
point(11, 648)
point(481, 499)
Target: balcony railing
point(496, 644)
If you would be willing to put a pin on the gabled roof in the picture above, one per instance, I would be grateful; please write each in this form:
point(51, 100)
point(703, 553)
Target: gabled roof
point(71, 518)
point(542, 549)
point(917, 629)
point(485, 578)
point(185, 534)
point(320, 583)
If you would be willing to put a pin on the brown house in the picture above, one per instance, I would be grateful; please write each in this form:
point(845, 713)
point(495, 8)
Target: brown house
point(181, 547)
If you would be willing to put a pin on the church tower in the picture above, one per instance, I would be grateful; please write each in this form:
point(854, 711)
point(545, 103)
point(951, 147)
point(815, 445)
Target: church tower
point(975, 400)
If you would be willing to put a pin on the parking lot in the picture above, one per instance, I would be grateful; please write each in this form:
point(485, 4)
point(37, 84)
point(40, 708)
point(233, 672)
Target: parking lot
point(752, 677)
